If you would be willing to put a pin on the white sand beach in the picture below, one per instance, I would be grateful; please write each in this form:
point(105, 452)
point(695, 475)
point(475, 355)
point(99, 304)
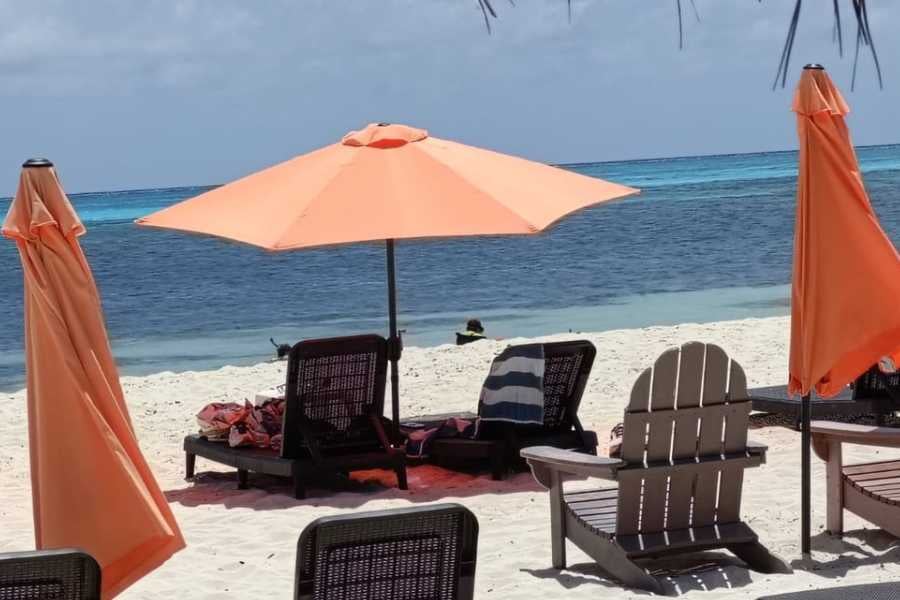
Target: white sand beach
point(242, 544)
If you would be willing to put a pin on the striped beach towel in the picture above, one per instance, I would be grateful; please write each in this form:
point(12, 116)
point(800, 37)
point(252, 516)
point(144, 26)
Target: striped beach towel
point(514, 388)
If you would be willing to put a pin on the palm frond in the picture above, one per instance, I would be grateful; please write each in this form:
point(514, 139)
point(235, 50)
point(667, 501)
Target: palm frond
point(680, 27)
point(838, 30)
point(864, 37)
point(860, 11)
point(785, 61)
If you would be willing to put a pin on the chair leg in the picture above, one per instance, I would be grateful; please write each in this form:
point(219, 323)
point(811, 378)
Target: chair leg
point(616, 563)
point(834, 489)
point(557, 522)
point(299, 488)
point(189, 461)
point(400, 470)
point(759, 558)
point(498, 464)
point(243, 477)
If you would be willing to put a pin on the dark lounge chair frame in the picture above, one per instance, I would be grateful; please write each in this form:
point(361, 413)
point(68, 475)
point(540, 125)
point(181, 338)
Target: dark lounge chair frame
point(425, 552)
point(66, 574)
point(567, 368)
point(333, 418)
point(684, 452)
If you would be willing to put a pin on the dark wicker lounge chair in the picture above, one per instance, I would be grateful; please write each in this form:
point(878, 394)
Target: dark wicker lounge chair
point(426, 552)
point(57, 574)
point(567, 366)
point(333, 418)
point(871, 591)
point(676, 493)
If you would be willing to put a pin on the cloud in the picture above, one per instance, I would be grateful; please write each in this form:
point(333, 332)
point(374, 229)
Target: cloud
point(126, 93)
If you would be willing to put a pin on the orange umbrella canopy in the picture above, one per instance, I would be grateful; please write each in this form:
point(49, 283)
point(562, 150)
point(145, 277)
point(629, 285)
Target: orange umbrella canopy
point(387, 182)
point(91, 486)
point(846, 273)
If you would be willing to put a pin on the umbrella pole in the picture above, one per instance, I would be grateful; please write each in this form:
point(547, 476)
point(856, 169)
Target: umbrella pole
point(394, 344)
point(804, 475)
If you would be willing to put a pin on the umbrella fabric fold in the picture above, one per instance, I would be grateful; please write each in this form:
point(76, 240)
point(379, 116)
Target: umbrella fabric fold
point(91, 486)
point(846, 271)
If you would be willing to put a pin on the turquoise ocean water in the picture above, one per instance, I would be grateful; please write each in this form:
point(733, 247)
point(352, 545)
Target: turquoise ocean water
point(708, 239)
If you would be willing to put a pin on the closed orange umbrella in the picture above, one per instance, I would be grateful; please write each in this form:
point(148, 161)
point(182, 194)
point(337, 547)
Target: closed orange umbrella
point(387, 182)
point(91, 487)
point(846, 275)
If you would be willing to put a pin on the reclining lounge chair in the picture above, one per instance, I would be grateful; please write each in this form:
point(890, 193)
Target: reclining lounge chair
point(333, 418)
point(684, 451)
point(567, 366)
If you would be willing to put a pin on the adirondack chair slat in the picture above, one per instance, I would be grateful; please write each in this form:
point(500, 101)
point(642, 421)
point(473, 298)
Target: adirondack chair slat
point(730, 486)
point(640, 392)
point(612, 493)
point(690, 374)
point(633, 451)
point(737, 383)
point(731, 482)
point(706, 487)
point(684, 445)
point(659, 441)
point(665, 376)
point(715, 376)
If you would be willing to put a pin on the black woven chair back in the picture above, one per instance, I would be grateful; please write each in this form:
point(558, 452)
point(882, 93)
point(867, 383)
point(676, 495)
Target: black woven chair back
point(421, 553)
point(567, 366)
point(874, 384)
point(334, 387)
point(46, 574)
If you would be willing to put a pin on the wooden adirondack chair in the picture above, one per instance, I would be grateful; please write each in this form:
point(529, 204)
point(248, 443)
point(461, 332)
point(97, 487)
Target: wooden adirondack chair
point(870, 490)
point(684, 452)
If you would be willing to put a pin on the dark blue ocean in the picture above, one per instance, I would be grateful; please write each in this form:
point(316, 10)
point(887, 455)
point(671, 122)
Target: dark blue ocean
point(708, 239)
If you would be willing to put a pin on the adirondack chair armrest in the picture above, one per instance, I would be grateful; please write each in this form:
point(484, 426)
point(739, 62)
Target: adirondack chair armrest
point(825, 432)
point(758, 450)
point(545, 461)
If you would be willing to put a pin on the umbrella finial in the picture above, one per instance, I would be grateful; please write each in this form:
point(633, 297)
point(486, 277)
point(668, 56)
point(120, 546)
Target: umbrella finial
point(814, 67)
point(36, 163)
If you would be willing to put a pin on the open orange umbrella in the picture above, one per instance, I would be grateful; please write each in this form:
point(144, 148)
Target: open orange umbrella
point(91, 487)
point(387, 182)
point(846, 275)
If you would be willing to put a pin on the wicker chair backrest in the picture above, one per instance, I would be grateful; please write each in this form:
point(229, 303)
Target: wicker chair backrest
point(416, 553)
point(335, 385)
point(57, 574)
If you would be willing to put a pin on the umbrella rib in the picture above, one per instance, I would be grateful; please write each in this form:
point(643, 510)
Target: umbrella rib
point(291, 223)
point(532, 228)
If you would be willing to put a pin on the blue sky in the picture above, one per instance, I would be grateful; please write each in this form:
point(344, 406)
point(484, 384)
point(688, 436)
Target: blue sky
point(153, 93)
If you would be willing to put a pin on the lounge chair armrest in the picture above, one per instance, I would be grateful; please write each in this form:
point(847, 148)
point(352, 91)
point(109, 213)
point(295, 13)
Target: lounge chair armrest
point(757, 449)
point(850, 433)
point(546, 460)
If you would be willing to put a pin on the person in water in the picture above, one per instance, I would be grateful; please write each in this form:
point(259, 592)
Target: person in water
point(474, 332)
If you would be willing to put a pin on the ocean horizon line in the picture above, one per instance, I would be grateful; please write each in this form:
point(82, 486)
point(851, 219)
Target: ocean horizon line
point(577, 164)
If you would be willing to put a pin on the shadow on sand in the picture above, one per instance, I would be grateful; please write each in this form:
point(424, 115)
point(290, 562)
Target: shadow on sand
point(701, 571)
point(427, 483)
point(857, 548)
